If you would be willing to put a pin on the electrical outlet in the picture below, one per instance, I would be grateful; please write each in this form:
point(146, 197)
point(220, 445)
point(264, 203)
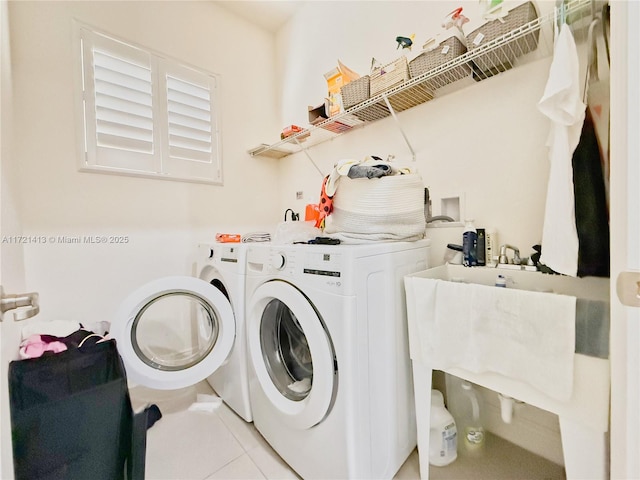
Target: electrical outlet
point(299, 195)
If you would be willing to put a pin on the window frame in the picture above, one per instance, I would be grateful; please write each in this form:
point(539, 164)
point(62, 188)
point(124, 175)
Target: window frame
point(159, 164)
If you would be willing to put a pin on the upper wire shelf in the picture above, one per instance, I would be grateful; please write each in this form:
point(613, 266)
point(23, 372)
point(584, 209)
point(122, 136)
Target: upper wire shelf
point(485, 61)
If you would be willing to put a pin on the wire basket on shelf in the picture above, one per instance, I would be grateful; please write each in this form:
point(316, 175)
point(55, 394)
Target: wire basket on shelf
point(502, 57)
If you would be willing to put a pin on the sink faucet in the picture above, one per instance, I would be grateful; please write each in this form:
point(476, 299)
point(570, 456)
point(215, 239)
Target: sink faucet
point(502, 259)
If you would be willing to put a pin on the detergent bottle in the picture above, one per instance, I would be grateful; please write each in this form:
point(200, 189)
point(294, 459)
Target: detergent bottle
point(473, 432)
point(443, 434)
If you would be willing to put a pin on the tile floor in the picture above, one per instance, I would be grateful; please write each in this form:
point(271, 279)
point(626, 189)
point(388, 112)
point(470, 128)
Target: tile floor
point(192, 445)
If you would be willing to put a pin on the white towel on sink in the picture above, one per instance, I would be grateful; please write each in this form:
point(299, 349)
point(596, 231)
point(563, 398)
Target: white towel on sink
point(524, 335)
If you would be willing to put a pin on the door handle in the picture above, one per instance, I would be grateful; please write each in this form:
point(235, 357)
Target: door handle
point(12, 302)
point(628, 288)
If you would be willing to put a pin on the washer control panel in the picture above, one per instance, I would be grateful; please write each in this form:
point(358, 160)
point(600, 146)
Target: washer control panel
point(311, 265)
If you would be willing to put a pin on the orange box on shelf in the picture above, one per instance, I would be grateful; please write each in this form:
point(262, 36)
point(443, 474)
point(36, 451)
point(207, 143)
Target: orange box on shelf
point(292, 130)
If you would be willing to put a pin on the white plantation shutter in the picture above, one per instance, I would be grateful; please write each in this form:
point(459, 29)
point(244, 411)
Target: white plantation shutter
point(191, 126)
point(189, 108)
point(123, 96)
point(145, 114)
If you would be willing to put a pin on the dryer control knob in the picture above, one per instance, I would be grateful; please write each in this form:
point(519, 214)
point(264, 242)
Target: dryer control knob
point(278, 261)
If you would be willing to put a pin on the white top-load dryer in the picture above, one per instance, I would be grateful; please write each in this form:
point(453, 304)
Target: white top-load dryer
point(330, 378)
point(176, 331)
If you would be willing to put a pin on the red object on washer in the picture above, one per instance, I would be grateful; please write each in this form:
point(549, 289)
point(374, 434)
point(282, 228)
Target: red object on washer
point(325, 206)
point(228, 237)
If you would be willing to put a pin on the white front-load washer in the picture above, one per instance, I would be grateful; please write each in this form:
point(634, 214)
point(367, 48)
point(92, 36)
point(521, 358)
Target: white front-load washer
point(223, 266)
point(176, 331)
point(330, 379)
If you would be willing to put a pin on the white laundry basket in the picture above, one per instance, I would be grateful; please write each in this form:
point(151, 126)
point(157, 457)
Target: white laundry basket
point(389, 208)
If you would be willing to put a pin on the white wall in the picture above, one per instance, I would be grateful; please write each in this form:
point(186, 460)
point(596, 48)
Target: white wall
point(162, 219)
point(485, 141)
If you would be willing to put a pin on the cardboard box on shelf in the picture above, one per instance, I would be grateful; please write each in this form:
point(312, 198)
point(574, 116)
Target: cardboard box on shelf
point(337, 78)
point(319, 113)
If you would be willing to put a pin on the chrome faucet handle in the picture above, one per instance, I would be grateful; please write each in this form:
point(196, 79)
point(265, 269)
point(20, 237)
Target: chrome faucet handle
point(516, 256)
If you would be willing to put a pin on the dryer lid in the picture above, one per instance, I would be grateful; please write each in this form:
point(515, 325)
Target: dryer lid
point(174, 332)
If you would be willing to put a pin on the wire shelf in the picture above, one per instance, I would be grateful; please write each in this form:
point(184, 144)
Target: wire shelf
point(480, 63)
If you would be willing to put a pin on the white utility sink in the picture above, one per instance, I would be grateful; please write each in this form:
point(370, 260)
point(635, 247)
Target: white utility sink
point(583, 415)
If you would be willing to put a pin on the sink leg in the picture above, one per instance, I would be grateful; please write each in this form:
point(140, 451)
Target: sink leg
point(422, 392)
point(585, 451)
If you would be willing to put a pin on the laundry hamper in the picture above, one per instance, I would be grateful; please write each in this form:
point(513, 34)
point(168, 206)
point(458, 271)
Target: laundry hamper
point(71, 417)
point(502, 57)
point(388, 208)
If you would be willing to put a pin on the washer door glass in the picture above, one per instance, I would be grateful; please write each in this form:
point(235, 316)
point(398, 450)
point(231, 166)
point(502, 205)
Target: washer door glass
point(285, 351)
point(174, 332)
point(292, 354)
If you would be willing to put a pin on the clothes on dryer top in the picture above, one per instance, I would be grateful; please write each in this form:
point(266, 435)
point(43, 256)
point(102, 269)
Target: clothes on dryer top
point(369, 171)
point(370, 167)
point(256, 237)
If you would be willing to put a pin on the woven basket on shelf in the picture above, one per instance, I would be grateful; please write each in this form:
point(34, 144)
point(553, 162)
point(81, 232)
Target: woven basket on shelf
point(355, 92)
point(383, 79)
point(389, 76)
point(447, 51)
point(501, 58)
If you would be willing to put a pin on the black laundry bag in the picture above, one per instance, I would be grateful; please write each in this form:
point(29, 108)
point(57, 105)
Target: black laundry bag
point(71, 417)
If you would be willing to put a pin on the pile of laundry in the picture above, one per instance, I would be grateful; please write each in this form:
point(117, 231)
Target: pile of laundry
point(57, 336)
